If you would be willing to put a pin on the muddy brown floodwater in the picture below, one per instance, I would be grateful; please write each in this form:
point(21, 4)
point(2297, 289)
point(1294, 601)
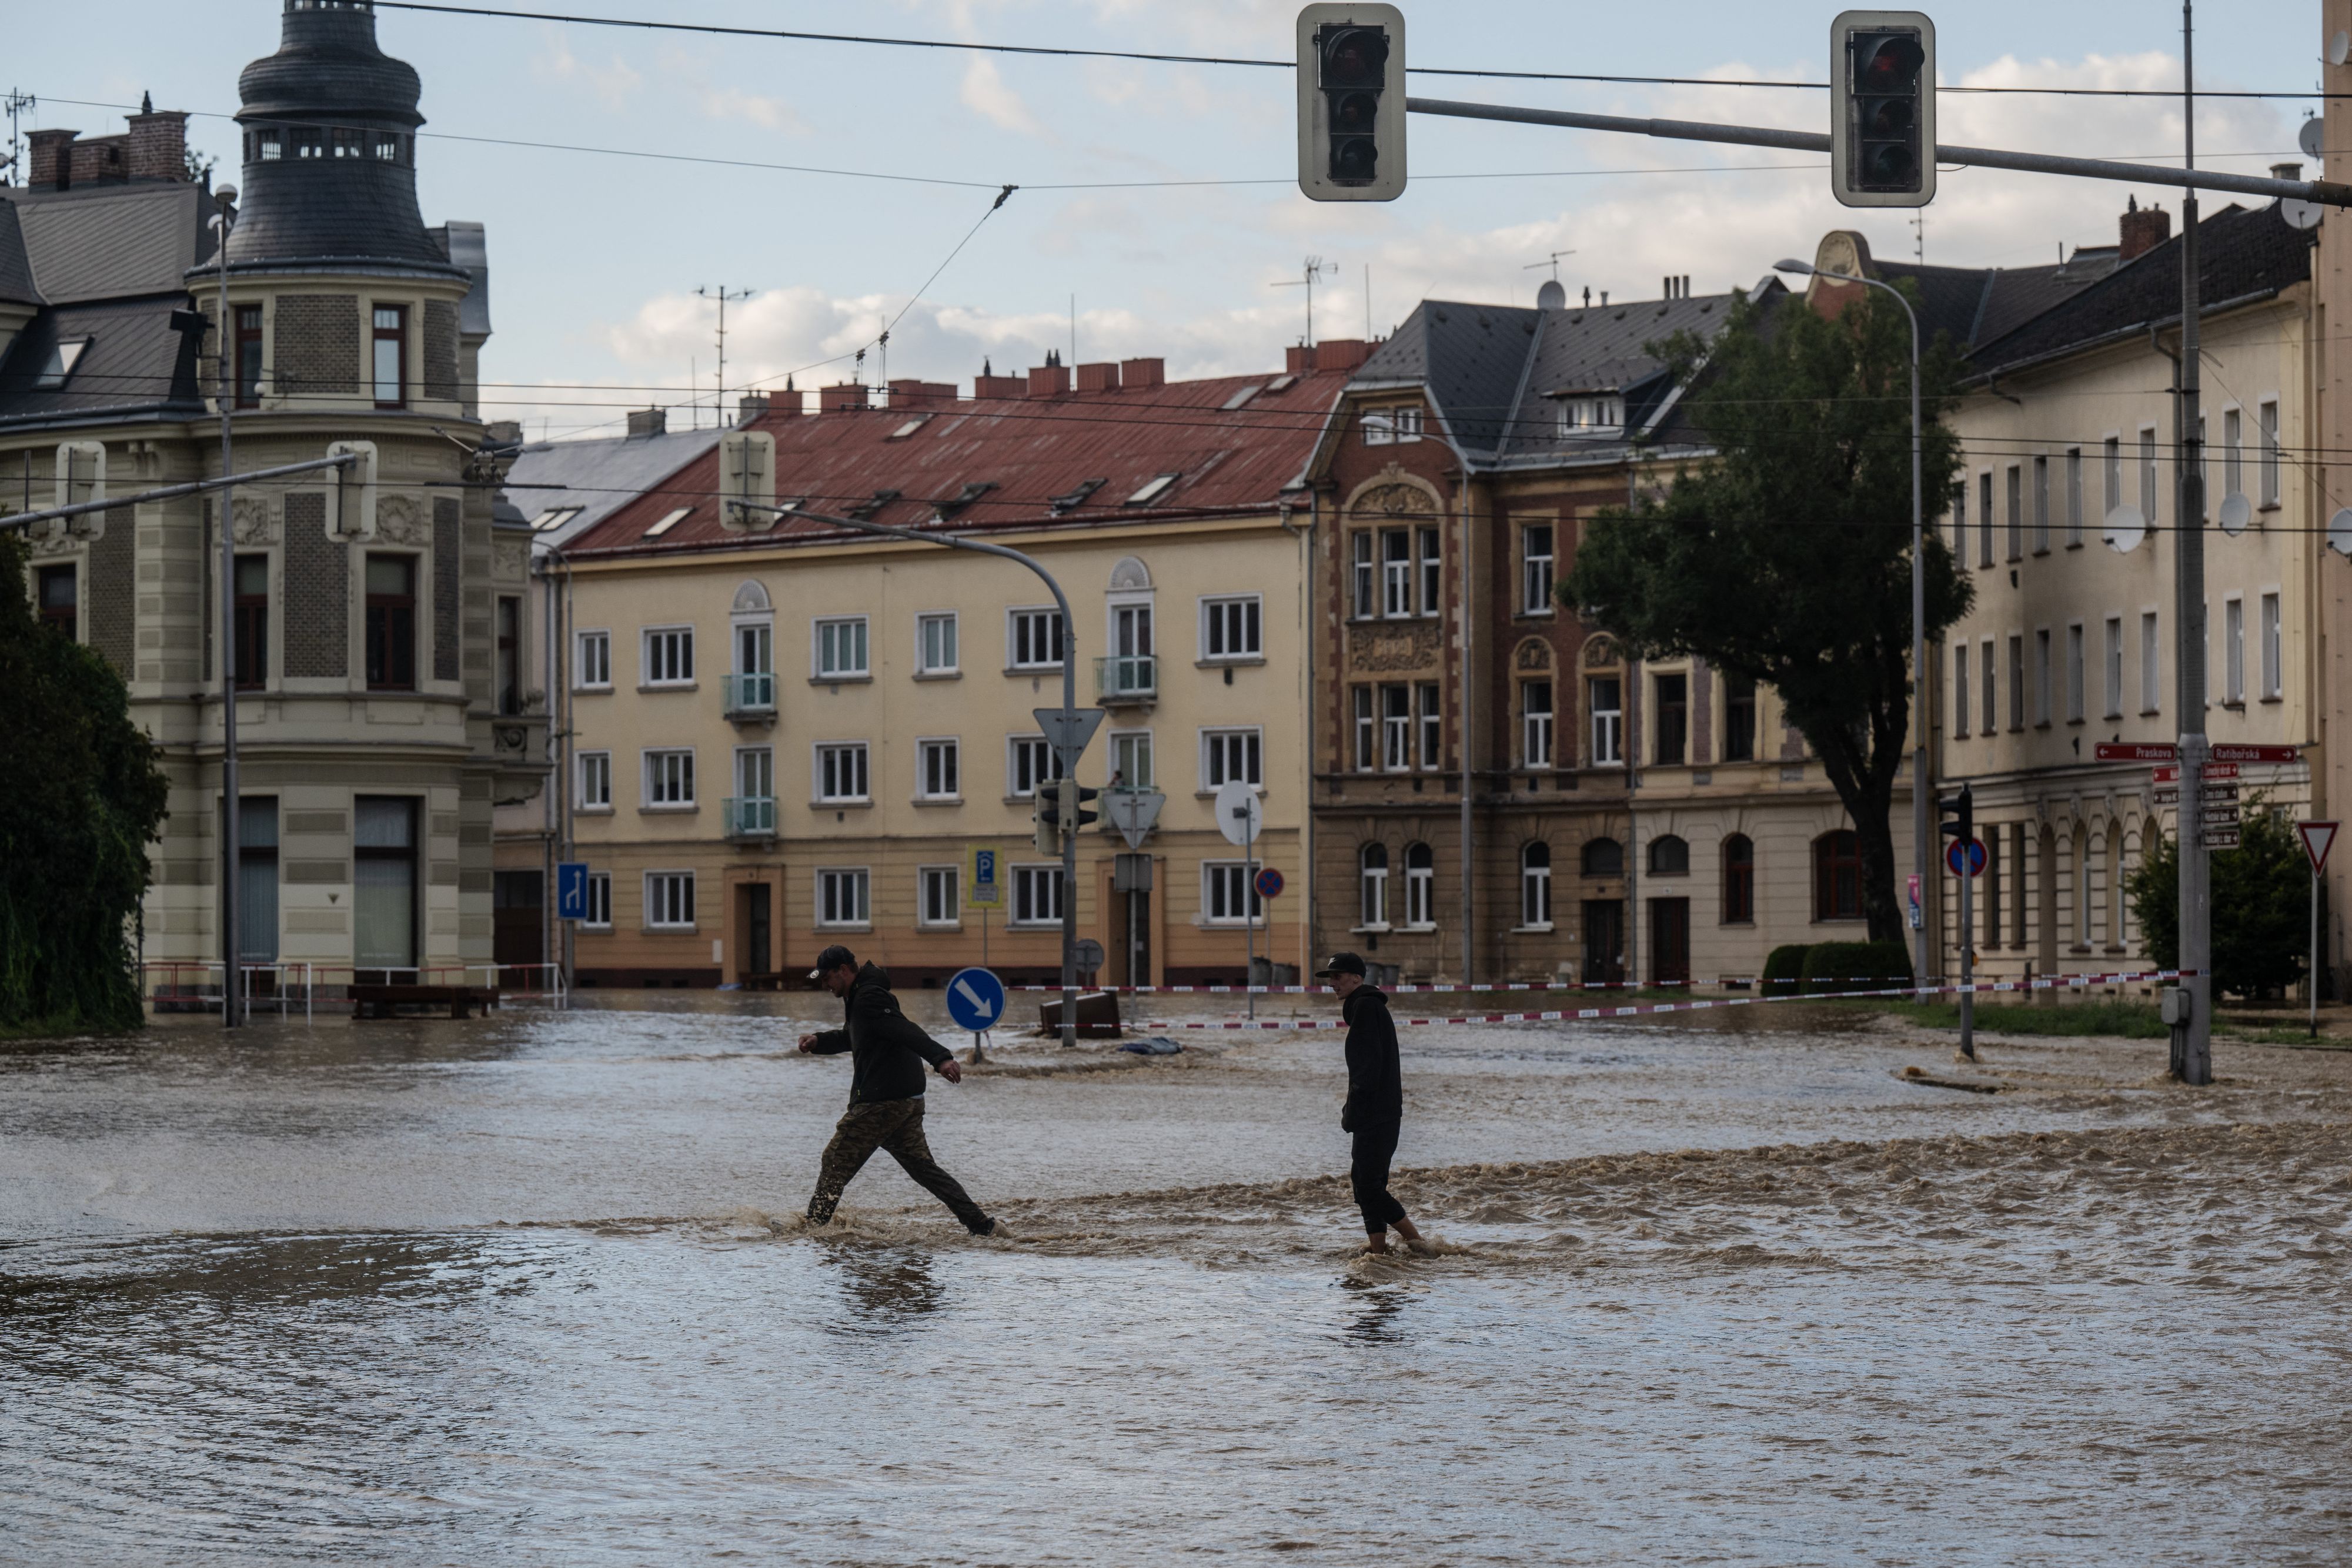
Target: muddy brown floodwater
point(532, 1289)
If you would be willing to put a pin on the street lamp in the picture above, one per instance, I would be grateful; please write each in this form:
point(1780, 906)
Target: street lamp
point(232, 813)
point(1918, 622)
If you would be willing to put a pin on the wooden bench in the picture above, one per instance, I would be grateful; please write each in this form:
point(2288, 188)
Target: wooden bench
point(380, 1001)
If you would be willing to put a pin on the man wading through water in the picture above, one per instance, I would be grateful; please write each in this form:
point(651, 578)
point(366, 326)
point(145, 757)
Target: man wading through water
point(1375, 1108)
point(885, 1091)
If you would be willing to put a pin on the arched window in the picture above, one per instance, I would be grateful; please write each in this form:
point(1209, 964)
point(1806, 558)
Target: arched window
point(1604, 857)
point(1374, 861)
point(1669, 856)
point(1535, 884)
point(2116, 885)
point(1420, 885)
point(1837, 877)
point(1739, 880)
point(2082, 887)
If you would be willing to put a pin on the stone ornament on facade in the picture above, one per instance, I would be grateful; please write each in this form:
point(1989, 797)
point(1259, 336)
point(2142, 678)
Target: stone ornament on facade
point(1601, 653)
point(1385, 648)
point(400, 520)
point(1532, 656)
point(512, 558)
point(254, 520)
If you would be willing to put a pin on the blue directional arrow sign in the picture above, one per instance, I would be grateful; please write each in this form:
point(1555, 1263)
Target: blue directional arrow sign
point(572, 890)
point(975, 999)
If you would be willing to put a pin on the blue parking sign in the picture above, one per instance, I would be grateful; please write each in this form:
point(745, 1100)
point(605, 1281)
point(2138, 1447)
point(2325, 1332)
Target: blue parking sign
point(572, 890)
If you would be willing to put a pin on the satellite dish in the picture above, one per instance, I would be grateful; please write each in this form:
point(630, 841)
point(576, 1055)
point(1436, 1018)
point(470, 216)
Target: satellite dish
point(2235, 514)
point(2312, 137)
point(2339, 532)
point(2339, 48)
point(2125, 529)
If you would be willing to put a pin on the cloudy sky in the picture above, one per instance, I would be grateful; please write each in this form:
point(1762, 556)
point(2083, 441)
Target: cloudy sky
point(620, 171)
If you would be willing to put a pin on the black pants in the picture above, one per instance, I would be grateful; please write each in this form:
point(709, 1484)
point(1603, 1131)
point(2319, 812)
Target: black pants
point(894, 1127)
point(1369, 1175)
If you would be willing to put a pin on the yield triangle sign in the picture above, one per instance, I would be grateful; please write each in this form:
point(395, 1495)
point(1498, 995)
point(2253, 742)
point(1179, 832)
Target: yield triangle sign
point(1068, 733)
point(2317, 839)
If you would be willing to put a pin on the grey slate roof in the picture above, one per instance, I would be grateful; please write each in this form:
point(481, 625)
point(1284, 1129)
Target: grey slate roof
point(118, 243)
point(599, 476)
point(135, 363)
point(17, 287)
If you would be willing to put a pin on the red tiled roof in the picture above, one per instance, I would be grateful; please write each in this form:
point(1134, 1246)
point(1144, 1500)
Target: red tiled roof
point(1028, 450)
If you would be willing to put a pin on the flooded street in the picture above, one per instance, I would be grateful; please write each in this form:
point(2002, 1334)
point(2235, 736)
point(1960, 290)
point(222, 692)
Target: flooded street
point(510, 1291)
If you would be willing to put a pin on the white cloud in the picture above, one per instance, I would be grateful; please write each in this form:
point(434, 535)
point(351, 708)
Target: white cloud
point(764, 109)
point(614, 84)
point(984, 92)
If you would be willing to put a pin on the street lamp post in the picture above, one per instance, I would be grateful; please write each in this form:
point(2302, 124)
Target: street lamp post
point(231, 815)
point(1918, 623)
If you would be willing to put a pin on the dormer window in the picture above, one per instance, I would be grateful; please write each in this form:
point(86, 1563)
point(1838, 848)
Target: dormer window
point(1591, 414)
point(387, 147)
point(1389, 426)
point(347, 143)
point(272, 146)
point(307, 144)
point(62, 363)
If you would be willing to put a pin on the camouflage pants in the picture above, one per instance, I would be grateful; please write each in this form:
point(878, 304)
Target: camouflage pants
point(894, 1127)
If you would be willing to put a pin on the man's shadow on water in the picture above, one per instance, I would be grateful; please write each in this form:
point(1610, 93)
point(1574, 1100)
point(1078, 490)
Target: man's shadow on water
point(883, 1293)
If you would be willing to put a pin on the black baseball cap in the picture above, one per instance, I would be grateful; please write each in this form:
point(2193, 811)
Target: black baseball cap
point(1341, 964)
point(832, 958)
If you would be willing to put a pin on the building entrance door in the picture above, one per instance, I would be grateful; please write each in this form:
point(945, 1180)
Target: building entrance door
point(756, 930)
point(1670, 941)
point(1604, 942)
point(518, 922)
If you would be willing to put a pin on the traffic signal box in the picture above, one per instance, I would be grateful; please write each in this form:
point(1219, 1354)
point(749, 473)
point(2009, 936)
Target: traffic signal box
point(1958, 816)
point(1882, 135)
point(1351, 102)
point(1074, 812)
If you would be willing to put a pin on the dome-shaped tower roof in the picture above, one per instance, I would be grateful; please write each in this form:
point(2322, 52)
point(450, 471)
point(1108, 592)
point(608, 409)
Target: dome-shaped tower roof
point(329, 146)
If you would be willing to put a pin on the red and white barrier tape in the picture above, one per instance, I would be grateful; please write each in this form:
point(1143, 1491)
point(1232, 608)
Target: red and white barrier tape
point(1452, 988)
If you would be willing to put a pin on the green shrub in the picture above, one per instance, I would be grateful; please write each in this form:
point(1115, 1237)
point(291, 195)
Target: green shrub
point(1783, 969)
point(1832, 967)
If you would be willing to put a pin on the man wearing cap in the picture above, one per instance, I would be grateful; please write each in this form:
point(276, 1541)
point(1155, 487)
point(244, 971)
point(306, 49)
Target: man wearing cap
point(886, 1090)
point(1375, 1108)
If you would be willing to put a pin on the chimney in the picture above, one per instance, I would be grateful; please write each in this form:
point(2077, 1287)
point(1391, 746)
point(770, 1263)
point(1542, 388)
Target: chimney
point(2286, 170)
point(841, 397)
point(159, 144)
point(1139, 374)
point(52, 158)
point(1299, 359)
point(1051, 379)
point(1342, 354)
point(2143, 231)
point(985, 385)
point(752, 407)
point(919, 395)
point(1100, 376)
point(648, 422)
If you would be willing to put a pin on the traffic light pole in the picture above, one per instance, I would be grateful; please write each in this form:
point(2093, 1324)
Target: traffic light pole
point(2193, 1037)
point(1967, 952)
point(173, 492)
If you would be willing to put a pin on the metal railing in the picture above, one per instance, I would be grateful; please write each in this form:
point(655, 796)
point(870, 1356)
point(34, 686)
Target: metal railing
point(751, 695)
point(1126, 678)
point(750, 816)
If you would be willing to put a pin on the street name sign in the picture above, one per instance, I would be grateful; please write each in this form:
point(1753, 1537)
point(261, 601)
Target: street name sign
point(2135, 751)
point(2271, 754)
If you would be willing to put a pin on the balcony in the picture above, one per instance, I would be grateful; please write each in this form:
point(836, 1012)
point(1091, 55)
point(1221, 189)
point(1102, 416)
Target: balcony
point(751, 697)
point(1126, 680)
point(750, 816)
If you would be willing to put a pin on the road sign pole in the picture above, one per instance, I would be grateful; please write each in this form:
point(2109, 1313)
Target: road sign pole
point(1968, 958)
point(2310, 975)
point(1249, 913)
point(2192, 1039)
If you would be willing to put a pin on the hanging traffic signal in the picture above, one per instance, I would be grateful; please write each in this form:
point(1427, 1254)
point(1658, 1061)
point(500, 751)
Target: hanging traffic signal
point(1958, 816)
point(1073, 813)
point(1883, 136)
point(1351, 102)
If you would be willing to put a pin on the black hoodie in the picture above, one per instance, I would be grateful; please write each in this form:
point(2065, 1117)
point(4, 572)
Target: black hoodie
point(886, 1050)
point(1375, 1086)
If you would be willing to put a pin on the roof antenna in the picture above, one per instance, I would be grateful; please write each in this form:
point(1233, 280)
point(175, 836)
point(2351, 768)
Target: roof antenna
point(722, 295)
point(1316, 266)
point(1552, 261)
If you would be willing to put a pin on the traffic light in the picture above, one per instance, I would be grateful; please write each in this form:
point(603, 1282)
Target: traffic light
point(1959, 815)
point(1351, 103)
point(1883, 136)
point(1073, 813)
point(1049, 819)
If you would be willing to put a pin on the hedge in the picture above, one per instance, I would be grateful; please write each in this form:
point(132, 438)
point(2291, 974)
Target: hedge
point(1783, 969)
point(1832, 967)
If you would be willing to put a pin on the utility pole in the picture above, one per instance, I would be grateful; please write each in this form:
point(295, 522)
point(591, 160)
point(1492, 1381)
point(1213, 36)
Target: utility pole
point(722, 295)
point(232, 807)
point(17, 103)
point(2192, 1039)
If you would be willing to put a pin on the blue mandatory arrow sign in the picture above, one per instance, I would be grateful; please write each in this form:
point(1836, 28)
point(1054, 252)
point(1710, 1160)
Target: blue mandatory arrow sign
point(572, 890)
point(975, 999)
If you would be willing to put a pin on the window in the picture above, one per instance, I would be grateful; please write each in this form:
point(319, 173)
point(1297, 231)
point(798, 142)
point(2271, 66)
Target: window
point(508, 667)
point(755, 650)
point(1226, 893)
point(667, 521)
point(841, 896)
point(1433, 734)
point(595, 774)
point(1984, 519)
point(1960, 692)
point(1361, 570)
point(249, 356)
point(2074, 495)
point(1672, 694)
point(2233, 453)
point(935, 770)
point(1420, 887)
point(60, 364)
point(2147, 474)
point(670, 780)
point(1535, 724)
point(1036, 640)
point(2017, 680)
point(1152, 489)
point(1605, 702)
point(2234, 650)
point(1603, 858)
point(1408, 424)
point(1960, 524)
point(257, 885)
point(1227, 755)
point(1365, 731)
point(1396, 728)
point(840, 649)
point(594, 666)
point(1738, 719)
point(1989, 692)
point(2042, 506)
point(1028, 763)
point(755, 789)
point(252, 629)
point(1739, 880)
point(1535, 887)
point(306, 143)
point(1372, 871)
point(1229, 629)
point(598, 915)
point(389, 361)
point(2013, 492)
point(347, 142)
point(1837, 877)
point(387, 147)
point(2266, 418)
point(1036, 894)
point(938, 895)
point(1535, 570)
point(2273, 655)
point(1396, 572)
point(2111, 475)
point(1430, 567)
point(272, 147)
point(2041, 677)
point(383, 892)
point(1379, 428)
point(1670, 855)
point(61, 592)
point(1130, 759)
point(2114, 666)
point(1591, 415)
point(840, 772)
point(668, 656)
point(2151, 666)
point(2075, 673)
point(391, 622)
point(935, 644)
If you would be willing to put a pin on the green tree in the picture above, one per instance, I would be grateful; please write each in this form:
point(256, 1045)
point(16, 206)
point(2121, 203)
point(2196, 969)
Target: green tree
point(1787, 557)
point(2262, 904)
point(80, 798)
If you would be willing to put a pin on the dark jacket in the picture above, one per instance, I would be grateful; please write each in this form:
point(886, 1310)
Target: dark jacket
point(1375, 1086)
point(886, 1050)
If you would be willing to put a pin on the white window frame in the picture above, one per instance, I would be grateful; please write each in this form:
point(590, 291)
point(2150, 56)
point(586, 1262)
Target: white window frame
point(924, 669)
point(2076, 674)
point(2266, 430)
point(1219, 880)
point(598, 915)
point(1372, 892)
point(1605, 727)
point(1420, 893)
point(831, 883)
point(861, 671)
point(819, 751)
point(927, 748)
point(1377, 427)
point(925, 876)
point(1535, 731)
point(1397, 575)
point(650, 782)
point(2273, 647)
point(1014, 619)
point(2233, 649)
point(1043, 757)
point(1129, 741)
point(1429, 568)
point(656, 901)
point(2044, 695)
point(593, 768)
point(2112, 670)
point(1027, 881)
point(682, 658)
point(1535, 568)
point(1408, 423)
point(591, 660)
point(1363, 567)
point(1365, 726)
point(1243, 615)
point(1429, 725)
point(1396, 726)
point(2074, 496)
point(2151, 665)
point(2234, 451)
point(1535, 892)
point(1216, 748)
point(2151, 480)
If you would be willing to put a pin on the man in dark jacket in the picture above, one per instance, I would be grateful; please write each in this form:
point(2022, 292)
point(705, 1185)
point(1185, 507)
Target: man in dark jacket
point(1374, 1112)
point(886, 1090)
